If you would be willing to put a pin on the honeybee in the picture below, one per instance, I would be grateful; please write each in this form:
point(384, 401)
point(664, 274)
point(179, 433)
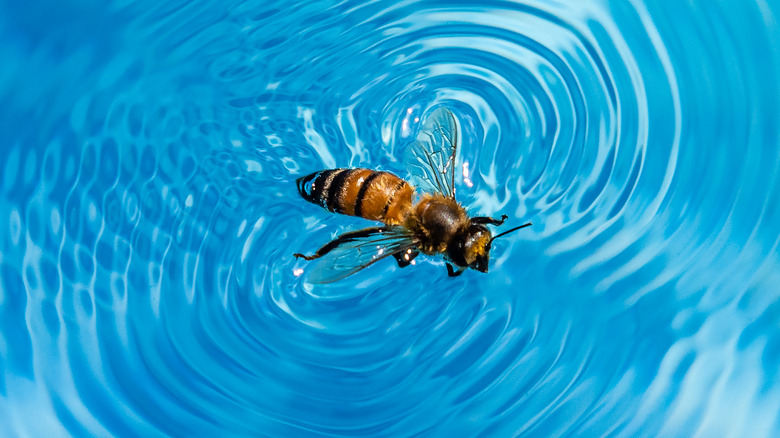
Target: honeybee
point(435, 224)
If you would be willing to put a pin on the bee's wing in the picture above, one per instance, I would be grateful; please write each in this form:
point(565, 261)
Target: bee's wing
point(355, 250)
point(431, 159)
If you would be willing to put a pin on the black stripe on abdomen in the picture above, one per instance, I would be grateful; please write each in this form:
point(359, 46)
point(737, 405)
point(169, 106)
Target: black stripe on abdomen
point(362, 193)
point(315, 187)
point(335, 190)
point(392, 196)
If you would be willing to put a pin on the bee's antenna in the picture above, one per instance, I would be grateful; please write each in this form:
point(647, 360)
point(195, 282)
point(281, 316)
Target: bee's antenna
point(509, 231)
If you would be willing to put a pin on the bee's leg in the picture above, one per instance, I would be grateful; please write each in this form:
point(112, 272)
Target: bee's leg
point(344, 238)
point(405, 258)
point(316, 255)
point(298, 255)
point(453, 273)
point(328, 247)
point(484, 220)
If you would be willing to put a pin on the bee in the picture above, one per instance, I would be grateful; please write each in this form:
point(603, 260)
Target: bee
point(435, 224)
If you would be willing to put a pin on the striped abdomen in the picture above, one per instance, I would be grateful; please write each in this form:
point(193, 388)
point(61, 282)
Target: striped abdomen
point(379, 196)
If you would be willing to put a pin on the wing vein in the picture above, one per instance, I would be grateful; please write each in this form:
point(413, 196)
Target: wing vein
point(431, 158)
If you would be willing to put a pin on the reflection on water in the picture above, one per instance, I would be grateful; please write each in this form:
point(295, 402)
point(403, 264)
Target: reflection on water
point(149, 216)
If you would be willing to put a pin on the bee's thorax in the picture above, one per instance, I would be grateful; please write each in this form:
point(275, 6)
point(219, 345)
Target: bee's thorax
point(436, 219)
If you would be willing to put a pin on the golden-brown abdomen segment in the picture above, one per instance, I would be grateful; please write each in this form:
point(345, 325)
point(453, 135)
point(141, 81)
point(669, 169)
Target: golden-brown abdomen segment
point(379, 196)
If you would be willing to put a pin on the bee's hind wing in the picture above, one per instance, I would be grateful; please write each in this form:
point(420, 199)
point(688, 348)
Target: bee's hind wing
point(431, 158)
point(353, 251)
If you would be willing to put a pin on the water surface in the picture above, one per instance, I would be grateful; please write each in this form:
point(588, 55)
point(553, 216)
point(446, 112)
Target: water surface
point(148, 217)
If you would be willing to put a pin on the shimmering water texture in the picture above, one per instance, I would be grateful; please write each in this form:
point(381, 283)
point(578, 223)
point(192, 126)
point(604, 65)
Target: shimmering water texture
point(148, 217)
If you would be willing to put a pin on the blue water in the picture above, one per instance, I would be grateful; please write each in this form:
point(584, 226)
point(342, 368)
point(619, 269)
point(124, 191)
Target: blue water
point(148, 216)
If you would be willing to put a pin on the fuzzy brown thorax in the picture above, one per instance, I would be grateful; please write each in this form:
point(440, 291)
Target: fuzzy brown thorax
point(435, 220)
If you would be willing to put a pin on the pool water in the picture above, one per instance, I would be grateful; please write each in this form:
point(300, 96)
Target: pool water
point(149, 213)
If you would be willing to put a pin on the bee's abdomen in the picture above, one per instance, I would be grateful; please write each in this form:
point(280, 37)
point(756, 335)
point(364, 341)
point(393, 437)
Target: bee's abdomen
point(366, 193)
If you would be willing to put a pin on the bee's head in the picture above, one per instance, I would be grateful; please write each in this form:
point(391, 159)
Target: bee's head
point(471, 248)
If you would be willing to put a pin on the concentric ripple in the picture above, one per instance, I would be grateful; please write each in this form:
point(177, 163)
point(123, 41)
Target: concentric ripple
point(149, 215)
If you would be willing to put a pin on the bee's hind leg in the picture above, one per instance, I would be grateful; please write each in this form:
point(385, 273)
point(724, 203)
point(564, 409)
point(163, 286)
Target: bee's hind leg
point(328, 247)
point(485, 220)
point(344, 238)
point(405, 258)
point(453, 273)
point(298, 255)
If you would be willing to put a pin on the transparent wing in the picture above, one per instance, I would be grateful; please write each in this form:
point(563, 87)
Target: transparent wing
point(431, 159)
point(356, 250)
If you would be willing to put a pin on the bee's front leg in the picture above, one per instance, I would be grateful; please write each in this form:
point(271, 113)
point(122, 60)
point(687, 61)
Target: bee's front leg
point(453, 273)
point(486, 220)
